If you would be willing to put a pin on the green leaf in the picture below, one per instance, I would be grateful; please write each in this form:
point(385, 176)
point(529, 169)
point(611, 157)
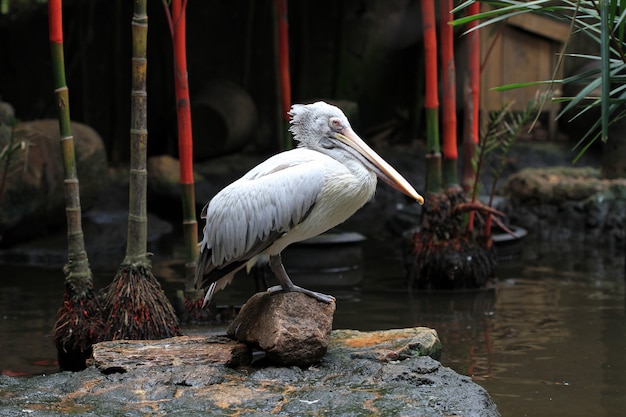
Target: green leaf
point(605, 67)
point(523, 84)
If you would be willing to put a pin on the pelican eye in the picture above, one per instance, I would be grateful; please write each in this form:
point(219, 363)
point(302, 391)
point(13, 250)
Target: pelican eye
point(335, 123)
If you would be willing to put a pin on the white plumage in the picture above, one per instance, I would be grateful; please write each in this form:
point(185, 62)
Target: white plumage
point(290, 197)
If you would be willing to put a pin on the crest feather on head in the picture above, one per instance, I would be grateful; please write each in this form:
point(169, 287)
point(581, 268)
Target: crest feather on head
point(306, 118)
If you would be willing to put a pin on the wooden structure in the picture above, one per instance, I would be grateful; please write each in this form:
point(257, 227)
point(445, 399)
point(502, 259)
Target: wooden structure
point(525, 48)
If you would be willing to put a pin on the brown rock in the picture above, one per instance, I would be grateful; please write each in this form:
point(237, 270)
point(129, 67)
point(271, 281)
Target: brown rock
point(177, 377)
point(164, 175)
point(34, 197)
point(292, 328)
point(125, 355)
point(389, 345)
point(555, 185)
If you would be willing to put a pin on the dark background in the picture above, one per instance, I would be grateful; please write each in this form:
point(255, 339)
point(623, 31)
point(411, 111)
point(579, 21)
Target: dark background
point(368, 52)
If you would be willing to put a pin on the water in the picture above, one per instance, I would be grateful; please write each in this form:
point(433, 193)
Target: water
point(549, 339)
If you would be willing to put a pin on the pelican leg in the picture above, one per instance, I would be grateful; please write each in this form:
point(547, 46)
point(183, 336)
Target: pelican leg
point(276, 264)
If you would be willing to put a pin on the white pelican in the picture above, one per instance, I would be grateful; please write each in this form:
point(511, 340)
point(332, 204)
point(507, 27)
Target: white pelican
point(292, 196)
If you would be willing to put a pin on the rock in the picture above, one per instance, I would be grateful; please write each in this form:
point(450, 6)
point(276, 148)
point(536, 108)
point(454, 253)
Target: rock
point(164, 175)
point(34, 198)
point(389, 345)
point(348, 381)
point(164, 190)
point(225, 119)
point(567, 204)
point(291, 328)
point(555, 186)
point(125, 355)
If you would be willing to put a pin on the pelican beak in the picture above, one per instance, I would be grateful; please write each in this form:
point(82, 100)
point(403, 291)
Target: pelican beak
point(384, 171)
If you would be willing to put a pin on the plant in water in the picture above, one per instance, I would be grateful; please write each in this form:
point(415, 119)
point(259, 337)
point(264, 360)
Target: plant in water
point(502, 128)
point(445, 253)
point(78, 323)
point(135, 306)
point(453, 247)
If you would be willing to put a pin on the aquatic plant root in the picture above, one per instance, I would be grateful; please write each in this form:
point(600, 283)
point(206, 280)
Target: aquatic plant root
point(136, 308)
point(77, 328)
point(445, 253)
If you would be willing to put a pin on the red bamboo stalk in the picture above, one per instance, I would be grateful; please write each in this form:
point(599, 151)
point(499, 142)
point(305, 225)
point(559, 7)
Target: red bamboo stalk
point(430, 53)
point(472, 100)
point(181, 83)
point(185, 139)
point(448, 122)
point(55, 20)
point(283, 57)
point(474, 70)
point(283, 66)
point(431, 103)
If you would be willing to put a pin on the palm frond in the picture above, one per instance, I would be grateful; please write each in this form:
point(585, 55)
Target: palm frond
point(604, 23)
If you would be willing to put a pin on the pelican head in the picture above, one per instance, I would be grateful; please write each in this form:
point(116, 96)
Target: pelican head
point(325, 128)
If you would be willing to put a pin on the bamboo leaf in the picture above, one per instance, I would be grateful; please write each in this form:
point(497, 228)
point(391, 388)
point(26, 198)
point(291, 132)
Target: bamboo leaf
point(602, 22)
point(605, 14)
point(514, 86)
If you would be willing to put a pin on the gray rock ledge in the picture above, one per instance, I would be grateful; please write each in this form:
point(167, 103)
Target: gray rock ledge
point(363, 374)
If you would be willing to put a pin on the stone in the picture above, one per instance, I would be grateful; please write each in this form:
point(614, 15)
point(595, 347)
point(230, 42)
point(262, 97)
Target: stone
point(34, 198)
point(161, 378)
point(125, 355)
point(566, 204)
point(164, 190)
point(388, 345)
point(164, 175)
point(291, 328)
point(555, 185)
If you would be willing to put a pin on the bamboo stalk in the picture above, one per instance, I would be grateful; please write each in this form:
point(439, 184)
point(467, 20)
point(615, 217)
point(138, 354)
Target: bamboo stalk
point(283, 69)
point(448, 122)
point(78, 322)
point(185, 141)
point(431, 104)
point(136, 247)
point(135, 305)
point(471, 112)
point(471, 100)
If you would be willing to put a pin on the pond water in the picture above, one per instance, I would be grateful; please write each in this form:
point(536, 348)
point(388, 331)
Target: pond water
point(549, 339)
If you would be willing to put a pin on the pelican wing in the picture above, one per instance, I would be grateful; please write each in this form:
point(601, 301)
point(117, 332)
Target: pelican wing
point(247, 216)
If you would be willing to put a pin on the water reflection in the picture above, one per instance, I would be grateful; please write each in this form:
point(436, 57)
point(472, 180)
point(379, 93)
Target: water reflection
point(549, 339)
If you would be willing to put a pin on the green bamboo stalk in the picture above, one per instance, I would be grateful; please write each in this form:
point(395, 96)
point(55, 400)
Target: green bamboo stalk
point(135, 305)
point(78, 322)
point(190, 235)
point(136, 247)
point(78, 265)
point(433, 156)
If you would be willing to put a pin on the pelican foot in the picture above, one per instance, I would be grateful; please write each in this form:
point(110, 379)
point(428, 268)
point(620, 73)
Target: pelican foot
point(317, 295)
